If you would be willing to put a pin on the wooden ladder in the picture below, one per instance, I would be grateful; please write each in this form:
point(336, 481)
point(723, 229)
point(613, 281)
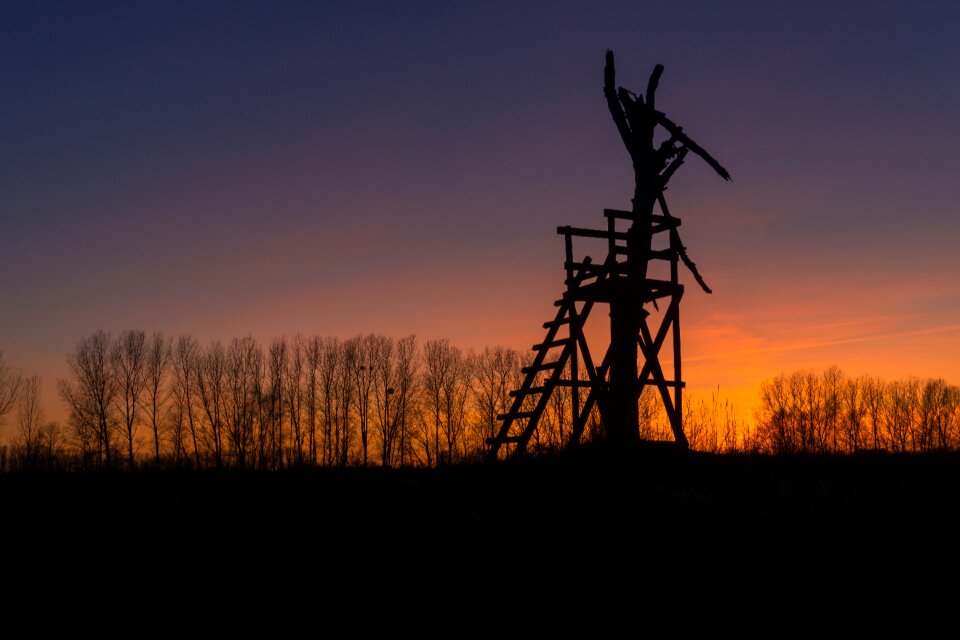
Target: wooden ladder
point(563, 350)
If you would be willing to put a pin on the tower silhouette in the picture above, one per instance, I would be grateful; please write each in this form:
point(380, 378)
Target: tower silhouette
point(625, 281)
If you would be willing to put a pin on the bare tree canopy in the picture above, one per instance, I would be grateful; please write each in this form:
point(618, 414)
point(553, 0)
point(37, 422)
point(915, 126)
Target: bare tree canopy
point(128, 358)
point(307, 401)
point(9, 385)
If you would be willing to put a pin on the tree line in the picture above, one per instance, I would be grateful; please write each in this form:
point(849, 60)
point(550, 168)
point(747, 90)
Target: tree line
point(830, 412)
point(138, 400)
point(135, 400)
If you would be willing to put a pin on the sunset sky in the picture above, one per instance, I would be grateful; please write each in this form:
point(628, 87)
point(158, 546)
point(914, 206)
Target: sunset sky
point(225, 168)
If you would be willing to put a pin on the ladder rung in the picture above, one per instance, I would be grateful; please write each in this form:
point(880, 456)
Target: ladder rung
point(664, 224)
point(591, 233)
point(545, 365)
point(629, 215)
point(503, 440)
point(660, 284)
point(559, 342)
point(521, 392)
point(556, 323)
point(514, 416)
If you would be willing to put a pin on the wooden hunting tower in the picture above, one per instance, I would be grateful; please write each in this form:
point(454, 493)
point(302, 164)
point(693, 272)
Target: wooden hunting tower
point(624, 281)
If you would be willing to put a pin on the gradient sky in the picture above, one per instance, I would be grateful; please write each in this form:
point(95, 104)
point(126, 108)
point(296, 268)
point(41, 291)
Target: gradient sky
point(224, 168)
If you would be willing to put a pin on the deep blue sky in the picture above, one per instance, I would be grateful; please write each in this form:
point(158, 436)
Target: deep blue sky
point(222, 168)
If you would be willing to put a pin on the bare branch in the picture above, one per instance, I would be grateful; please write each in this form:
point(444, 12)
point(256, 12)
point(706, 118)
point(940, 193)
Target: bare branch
point(652, 85)
point(677, 131)
point(613, 102)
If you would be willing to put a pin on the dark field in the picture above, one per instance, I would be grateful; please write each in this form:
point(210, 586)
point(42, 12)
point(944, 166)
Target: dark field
point(651, 520)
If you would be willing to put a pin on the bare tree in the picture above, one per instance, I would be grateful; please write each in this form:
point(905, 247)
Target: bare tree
point(774, 417)
point(813, 411)
point(804, 412)
point(29, 422)
point(447, 380)
point(329, 372)
point(456, 397)
point(940, 406)
point(157, 389)
point(91, 394)
point(493, 374)
point(9, 385)
point(854, 413)
point(436, 373)
point(272, 410)
point(558, 412)
point(38, 445)
point(384, 363)
point(406, 394)
point(314, 351)
point(186, 369)
point(362, 377)
point(654, 424)
point(900, 409)
point(294, 373)
point(832, 381)
point(345, 400)
point(244, 375)
point(128, 358)
point(874, 390)
point(211, 383)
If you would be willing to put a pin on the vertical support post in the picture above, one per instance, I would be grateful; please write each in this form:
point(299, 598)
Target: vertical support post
point(675, 249)
point(623, 421)
point(677, 425)
point(573, 328)
point(611, 239)
point(568, 251)
point(574, 375)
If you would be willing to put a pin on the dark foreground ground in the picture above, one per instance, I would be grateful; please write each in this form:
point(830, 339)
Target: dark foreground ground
point(582, 526)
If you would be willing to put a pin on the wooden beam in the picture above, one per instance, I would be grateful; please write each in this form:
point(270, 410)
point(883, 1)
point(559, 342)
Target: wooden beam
point(592, 233)
point(629, 215)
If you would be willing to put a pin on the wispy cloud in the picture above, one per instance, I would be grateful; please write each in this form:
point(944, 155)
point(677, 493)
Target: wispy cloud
point(826, 342)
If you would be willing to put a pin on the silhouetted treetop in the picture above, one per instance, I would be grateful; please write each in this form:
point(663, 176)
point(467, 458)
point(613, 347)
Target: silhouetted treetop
point(637, 119)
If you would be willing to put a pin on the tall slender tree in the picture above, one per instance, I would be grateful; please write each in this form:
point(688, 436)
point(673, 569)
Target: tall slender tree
point(405, 397)
point(9, 385)
point(244, 376)
point(314, 351)
point(211, 383)
point(29, 422)
point(129, 363)
point(295, 396)
point(157, 388)
point(91, 394)
point(186, 370)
